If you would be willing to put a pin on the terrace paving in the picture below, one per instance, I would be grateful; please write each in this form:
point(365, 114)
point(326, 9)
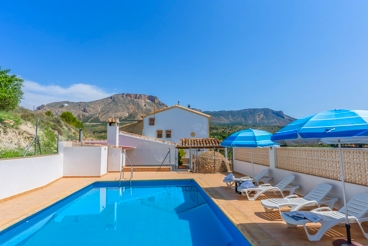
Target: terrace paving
point(259, 227)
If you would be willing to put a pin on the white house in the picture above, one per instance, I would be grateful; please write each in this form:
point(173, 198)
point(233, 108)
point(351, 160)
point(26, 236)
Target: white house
point(176, 122)
point(148, 151)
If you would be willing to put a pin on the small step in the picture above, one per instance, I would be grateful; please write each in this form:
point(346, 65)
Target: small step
point(148, 169)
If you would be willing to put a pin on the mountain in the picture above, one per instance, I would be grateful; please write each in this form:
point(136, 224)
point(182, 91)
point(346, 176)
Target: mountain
point(135, 106)
point(122, 106)
point(251, 117)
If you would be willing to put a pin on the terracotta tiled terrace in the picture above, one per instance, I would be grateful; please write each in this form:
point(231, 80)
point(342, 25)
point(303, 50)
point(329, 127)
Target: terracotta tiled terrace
point(259, 228)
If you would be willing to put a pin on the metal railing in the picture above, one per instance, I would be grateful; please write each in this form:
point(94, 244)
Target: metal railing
point(122, 170)
point(168, 154)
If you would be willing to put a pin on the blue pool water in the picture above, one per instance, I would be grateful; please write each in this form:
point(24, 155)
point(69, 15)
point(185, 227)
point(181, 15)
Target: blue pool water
point(143, 213)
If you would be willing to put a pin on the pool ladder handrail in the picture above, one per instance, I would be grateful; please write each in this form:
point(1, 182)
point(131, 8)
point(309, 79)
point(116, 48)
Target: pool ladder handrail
point(122, 170)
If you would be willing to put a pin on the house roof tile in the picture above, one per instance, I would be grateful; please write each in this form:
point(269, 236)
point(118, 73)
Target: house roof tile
point(200, 143)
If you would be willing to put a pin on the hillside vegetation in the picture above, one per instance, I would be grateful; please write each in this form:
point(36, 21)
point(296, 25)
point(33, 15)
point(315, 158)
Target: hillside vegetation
point(222, 131)
point(18, 128)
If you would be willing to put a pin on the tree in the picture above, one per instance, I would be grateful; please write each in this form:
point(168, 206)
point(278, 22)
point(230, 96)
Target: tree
point(181, 154)
point(10, 90)
point(49, 113)
point(68, 117)
point(71, 119)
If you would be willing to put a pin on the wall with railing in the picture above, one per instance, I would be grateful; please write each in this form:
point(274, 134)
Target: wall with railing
point(312, 166)
point(260, 156)
point(325, 162)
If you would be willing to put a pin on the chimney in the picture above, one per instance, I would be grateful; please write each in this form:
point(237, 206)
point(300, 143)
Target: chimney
point(113, 132)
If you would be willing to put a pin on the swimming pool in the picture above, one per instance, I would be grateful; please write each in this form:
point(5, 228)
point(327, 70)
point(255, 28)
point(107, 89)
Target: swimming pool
point(165, 212)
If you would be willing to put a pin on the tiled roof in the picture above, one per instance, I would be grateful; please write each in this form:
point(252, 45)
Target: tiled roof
point(181, 107)
point(199, 142)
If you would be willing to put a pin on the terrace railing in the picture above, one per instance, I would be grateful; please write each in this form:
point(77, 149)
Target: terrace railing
point(324, 162)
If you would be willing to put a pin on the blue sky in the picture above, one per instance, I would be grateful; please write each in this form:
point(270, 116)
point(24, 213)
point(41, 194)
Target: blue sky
point(301, 57)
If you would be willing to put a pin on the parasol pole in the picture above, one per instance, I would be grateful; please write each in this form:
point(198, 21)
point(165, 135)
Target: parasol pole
point(347, 225)
point(251, 158)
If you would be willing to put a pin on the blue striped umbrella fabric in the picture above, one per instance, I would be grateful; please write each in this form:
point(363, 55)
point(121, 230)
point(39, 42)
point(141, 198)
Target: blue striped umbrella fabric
point(249, 138)
point(350, 126)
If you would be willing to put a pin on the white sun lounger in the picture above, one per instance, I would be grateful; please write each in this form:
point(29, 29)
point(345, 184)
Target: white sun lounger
point(284, 184)
point(262, 177)
point(313, 198)
point(230, 179)
point(357, 209)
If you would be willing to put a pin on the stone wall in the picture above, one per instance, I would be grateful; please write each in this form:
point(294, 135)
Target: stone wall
point(206, 163)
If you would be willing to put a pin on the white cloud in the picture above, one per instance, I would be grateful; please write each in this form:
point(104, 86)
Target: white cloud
point(36, 94)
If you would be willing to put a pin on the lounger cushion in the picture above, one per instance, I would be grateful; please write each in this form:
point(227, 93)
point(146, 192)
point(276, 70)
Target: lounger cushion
point(246, 184)
point(229, 177)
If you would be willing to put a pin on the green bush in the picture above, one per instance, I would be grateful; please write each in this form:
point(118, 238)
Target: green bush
point(181, 154)
point(13, 153)
point(69, 118)
point(48, 142)
point(9, 119)
point(28, 116)
point(49, 113)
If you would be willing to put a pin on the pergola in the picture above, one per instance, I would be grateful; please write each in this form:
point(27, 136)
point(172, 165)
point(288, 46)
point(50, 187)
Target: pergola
point(200, 143)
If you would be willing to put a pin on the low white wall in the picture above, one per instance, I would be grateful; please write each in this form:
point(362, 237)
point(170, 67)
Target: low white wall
point(114, 159)
point(306, 182)
point(148, 152)
point(24, 174)
point(85, 161)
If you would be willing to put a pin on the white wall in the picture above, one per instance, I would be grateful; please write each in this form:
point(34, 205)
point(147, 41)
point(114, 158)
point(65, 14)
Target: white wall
point(307, 182)
point(114, 159)
point(147, 152)
point(28, 173)
point(181, 123)
point(85, 161)
point(24, 174)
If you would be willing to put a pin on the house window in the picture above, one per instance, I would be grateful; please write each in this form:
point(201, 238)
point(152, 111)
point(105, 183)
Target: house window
point(159, 133)
point(168, 133)
point(151, 121)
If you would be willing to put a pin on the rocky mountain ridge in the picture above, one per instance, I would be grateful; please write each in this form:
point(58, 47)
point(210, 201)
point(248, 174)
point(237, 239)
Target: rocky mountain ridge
point(129, 106)
point(250, 116)
point(124, 106)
